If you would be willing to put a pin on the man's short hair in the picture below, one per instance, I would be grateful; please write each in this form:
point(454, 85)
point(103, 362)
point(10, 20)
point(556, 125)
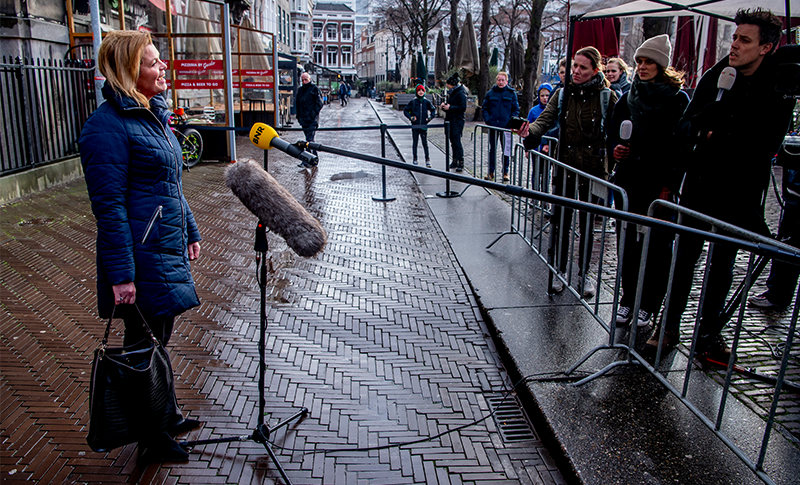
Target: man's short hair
point(769, 25)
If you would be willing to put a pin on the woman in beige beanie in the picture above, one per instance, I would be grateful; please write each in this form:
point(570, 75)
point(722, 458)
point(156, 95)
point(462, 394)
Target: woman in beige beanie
point(646, 169)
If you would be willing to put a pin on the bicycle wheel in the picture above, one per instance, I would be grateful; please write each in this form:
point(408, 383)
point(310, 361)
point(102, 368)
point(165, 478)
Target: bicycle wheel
point(192, 147)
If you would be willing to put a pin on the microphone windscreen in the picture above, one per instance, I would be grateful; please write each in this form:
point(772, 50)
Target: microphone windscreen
point(626, 130)
point(726, 78)
point(261, 134)
point(275, 207)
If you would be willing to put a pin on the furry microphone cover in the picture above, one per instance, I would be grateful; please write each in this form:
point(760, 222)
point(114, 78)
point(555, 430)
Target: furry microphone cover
point(275, 207)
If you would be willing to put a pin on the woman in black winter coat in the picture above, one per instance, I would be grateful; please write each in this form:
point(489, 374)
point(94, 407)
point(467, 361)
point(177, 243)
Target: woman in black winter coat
point(146, 233)
point(646, 169)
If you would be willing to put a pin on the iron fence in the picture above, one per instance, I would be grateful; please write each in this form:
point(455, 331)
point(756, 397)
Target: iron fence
point(45, 103)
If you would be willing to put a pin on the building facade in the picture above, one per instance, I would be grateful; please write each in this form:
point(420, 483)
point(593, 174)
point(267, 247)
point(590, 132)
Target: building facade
point(333, 38)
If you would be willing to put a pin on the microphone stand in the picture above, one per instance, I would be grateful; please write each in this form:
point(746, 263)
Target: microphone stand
point(261, 433)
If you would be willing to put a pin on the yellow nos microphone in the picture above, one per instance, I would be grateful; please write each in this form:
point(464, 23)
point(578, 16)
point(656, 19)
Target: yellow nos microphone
point(265, 137)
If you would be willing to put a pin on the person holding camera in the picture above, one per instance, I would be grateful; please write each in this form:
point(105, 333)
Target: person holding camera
point(731, 137)
point(455, 108)
point(586, 103)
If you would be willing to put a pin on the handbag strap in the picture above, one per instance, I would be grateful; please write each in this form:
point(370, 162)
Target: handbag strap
point(104, 344)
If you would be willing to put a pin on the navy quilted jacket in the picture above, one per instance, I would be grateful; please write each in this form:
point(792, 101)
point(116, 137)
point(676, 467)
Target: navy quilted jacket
point(132, 164)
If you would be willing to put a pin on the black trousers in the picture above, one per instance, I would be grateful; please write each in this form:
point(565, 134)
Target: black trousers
point(135, 332)
point(456, 129)
point(415, 136)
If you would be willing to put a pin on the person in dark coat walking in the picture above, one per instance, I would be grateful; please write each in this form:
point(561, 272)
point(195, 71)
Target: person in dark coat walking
point(146, 233)
point(499, 105)
point(647, 170)
point(420, 111)
point(456, 107)
point(308, 102)
point(728, 169)
point(343, 93)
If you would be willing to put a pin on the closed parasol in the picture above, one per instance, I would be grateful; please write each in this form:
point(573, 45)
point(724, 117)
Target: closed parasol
point(493, 59)
point(422, 70)
point(440, 61)
point(467, 51)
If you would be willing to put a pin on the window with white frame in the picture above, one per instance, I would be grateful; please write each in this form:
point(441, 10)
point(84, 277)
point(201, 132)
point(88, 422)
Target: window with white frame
point(318, 55)
point(331, 30)
point(332, 56)
point(347, 56)
point(317, 30)
point(347, 32)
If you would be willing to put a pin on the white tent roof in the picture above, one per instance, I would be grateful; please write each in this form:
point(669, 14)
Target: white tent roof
point(652, 8)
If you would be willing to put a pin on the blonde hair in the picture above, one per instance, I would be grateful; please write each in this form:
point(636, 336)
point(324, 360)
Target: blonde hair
point(501, 73)
point(622, 65)
point(119, 60)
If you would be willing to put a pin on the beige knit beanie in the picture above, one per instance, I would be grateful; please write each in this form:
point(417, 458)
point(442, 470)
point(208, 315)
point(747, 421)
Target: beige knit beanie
point(657, 48)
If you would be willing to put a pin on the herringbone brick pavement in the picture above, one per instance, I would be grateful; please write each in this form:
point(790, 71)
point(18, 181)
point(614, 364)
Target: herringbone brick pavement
point(379, 337)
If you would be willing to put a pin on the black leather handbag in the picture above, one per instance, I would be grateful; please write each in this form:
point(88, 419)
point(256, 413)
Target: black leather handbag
point(131, 393)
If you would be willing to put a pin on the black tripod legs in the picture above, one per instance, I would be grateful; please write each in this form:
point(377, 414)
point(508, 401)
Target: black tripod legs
point(260, 435)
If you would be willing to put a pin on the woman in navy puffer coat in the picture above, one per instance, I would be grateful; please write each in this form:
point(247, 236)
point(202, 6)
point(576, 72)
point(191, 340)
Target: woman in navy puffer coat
point(146, 234)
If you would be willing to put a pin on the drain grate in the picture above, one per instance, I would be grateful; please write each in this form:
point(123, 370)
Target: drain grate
point(510, 419)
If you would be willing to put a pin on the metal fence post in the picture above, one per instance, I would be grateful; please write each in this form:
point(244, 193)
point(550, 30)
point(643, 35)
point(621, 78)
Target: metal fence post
point(447, 192)
point(383, 168)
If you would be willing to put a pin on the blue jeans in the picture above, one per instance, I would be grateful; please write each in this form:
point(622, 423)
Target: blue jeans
point(493, 136)
point(415, 136)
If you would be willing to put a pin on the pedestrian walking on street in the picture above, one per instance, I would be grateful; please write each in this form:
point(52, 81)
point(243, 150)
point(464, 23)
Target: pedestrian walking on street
point(455, 107)
point(420, 111)
point(782, 280)
point(647, 170)
point(309, 103)
point(732, 142)
point(146, 233)
point(343, 94)
point(499, 105)
point(588, 103)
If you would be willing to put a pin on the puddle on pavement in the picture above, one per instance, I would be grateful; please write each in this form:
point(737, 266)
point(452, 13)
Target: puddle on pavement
point(349, 175)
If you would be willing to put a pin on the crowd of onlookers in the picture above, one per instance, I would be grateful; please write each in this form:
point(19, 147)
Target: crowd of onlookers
point(638, 127)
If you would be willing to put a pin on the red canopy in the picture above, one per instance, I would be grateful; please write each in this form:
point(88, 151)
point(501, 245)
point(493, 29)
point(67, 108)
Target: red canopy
point(600, 33)
point(684, 54)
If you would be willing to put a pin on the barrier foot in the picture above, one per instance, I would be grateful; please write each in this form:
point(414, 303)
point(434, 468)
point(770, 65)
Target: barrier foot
point(500, 237)
point(384, 199)
point(603, 371)
point(448, 194)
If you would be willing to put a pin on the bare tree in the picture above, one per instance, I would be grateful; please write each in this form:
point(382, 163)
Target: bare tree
point(532, 54)
point(420, 17)
point(483, 85)
point(509, 20)
point(403, 39)
point(453, 31)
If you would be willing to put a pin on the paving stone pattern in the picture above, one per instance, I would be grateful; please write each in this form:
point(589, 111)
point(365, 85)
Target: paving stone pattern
point(379, 337)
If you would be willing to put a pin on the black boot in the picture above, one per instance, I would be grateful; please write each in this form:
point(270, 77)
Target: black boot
point(161, 448)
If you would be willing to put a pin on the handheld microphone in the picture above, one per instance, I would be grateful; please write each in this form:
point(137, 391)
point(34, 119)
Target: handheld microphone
point(275, 207)
point(626, 130)
point(725, 82)
point(265, 137)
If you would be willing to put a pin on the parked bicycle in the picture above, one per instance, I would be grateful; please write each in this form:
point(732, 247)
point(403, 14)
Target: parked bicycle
point(190, 139)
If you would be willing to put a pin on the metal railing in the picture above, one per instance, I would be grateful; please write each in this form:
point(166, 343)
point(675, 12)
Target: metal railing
point(44, 104)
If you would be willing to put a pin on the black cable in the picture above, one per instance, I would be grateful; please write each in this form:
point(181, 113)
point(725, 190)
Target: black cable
point(507, 393)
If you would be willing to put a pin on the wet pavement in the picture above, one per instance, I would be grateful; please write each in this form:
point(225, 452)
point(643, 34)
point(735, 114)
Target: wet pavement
point(405, 327)
point(379, 336)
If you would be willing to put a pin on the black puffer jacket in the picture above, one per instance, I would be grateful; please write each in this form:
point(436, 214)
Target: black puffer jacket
point(655, 110)
point(133, 165)
point(457, 99)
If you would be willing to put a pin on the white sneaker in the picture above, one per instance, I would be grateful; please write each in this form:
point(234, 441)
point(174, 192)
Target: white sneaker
point(588, 289)
point(644, 318)
point(623, 315)
point(557, 287)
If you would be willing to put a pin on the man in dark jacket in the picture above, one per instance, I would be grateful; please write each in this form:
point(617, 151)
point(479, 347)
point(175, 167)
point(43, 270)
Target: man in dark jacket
point(456, 106)
point(420, 111)
point(309, 103)
point(499, 105)
point(728, 169)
